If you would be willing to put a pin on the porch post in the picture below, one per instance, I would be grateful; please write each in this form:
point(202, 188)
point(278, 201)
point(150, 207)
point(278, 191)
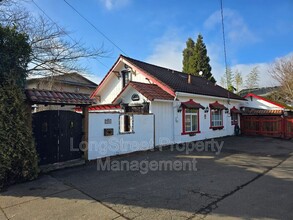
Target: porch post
point(85, 113)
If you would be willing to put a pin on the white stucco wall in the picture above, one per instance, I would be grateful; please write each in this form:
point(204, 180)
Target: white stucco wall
point(103, 146)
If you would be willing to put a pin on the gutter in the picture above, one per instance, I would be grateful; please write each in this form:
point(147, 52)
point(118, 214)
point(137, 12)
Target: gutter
point(184, 94)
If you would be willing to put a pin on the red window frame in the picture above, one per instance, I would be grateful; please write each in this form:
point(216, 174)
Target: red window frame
point(216, 127)
point(184, 132)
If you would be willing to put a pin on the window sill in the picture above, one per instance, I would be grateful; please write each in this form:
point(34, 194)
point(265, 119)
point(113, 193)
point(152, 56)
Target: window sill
point(217, 128)
point(190, 133)
point(128, 132)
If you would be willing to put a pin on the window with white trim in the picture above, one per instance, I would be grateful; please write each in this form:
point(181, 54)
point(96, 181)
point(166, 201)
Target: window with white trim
point(191, 120)
point(126, 123)
point(216, 118)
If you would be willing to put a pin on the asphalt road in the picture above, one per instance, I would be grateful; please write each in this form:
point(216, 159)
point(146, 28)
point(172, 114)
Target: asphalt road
point(250, 178)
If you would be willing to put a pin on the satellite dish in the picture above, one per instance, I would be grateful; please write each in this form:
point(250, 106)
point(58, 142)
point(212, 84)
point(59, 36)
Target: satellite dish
point(200, 73)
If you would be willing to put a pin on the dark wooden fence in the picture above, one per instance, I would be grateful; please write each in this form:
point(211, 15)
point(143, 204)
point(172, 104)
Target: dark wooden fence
point(271, 126)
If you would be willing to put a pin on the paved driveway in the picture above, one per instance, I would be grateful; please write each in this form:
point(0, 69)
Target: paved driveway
point(250, 178)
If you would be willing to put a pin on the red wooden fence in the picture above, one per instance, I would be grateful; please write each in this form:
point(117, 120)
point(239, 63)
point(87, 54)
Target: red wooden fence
point(271, 126)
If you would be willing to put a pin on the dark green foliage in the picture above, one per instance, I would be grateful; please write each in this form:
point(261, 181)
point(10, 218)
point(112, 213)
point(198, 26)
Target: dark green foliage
point(17, 152)
point(196, 60)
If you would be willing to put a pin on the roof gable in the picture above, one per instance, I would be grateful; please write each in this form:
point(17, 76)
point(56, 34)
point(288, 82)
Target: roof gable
point(264, 99)
point(150, 91)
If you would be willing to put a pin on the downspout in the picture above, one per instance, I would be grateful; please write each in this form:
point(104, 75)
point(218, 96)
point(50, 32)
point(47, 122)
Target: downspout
point(174, 112)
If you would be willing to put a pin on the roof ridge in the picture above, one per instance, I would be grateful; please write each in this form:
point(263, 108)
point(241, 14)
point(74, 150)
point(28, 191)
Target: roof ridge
point(169, 69)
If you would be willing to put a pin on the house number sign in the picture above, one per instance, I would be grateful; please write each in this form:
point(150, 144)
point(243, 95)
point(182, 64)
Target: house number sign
point(108, 121)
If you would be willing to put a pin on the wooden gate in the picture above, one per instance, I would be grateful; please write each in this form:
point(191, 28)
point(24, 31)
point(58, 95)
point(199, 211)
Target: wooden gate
point(271, 126)
point(57, 135)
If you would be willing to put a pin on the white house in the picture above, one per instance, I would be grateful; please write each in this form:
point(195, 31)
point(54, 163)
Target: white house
point(141, 106)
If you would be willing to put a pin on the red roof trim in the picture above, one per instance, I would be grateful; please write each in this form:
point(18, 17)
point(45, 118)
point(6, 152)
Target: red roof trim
point(264, 99)
point(120, 93)
point(152, 78)
point(217, 105)
point(192, 104)
point(105, 78)
point(235, 110)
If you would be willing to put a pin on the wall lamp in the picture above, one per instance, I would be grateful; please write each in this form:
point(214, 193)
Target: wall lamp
point(179, 109)
point(226, 111)
point(206, 110)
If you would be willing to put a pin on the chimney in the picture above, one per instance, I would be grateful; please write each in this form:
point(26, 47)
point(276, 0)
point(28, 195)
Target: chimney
point(189, 79)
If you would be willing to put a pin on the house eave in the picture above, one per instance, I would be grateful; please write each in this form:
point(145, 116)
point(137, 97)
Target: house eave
point(185, 94)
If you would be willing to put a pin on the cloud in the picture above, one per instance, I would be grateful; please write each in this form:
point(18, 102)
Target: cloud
point(114, 4)
point(168, 51)
point(236, 29)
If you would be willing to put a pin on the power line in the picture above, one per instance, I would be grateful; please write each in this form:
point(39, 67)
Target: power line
point(64, 32)
point(90, 23)
point(224, 44)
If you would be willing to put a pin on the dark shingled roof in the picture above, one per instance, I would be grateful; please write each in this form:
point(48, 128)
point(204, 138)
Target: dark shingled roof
point(178, 81)
point(38, 96)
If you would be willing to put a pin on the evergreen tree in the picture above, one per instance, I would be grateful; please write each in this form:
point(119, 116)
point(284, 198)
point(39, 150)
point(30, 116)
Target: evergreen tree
point(188, 53)
point(197, 60)
point(17, 151)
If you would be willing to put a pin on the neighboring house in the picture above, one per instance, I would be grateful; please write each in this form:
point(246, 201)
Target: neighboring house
point(148, 105)
point(264, 91)
point(71, 82)
point(257, 105)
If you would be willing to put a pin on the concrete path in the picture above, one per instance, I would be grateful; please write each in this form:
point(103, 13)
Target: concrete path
point(251, 178)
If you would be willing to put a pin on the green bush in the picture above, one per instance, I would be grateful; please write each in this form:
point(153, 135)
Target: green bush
point(18, 157)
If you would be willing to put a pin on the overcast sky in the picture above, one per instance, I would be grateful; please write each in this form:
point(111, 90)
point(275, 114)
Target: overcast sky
point(257, 31)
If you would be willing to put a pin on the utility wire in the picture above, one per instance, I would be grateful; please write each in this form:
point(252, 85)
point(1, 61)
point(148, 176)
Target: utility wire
point(62, 28)
point(224, 44)
point(91, 24)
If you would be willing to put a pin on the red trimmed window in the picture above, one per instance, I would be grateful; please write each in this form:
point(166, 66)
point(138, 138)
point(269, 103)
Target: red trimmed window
point(216, 119)
point(190, 121)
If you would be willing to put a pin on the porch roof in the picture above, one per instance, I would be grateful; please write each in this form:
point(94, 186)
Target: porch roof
point(50, 97)
point(217, 105)
point(191, 104)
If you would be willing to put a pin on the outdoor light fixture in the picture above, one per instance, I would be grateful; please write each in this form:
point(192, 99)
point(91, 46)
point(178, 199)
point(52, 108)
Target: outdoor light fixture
point(179, 109)
point(206, 110)
point(226, 111)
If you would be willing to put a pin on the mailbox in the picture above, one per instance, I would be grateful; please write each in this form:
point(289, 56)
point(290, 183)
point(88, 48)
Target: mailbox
point(108, 131)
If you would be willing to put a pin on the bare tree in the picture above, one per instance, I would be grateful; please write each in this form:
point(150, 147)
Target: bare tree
point(282, 72)
point(54, 51)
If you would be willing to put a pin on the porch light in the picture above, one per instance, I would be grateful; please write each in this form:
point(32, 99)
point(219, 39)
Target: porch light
point(226, 111)
point(179, 109)
point(206, 110)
